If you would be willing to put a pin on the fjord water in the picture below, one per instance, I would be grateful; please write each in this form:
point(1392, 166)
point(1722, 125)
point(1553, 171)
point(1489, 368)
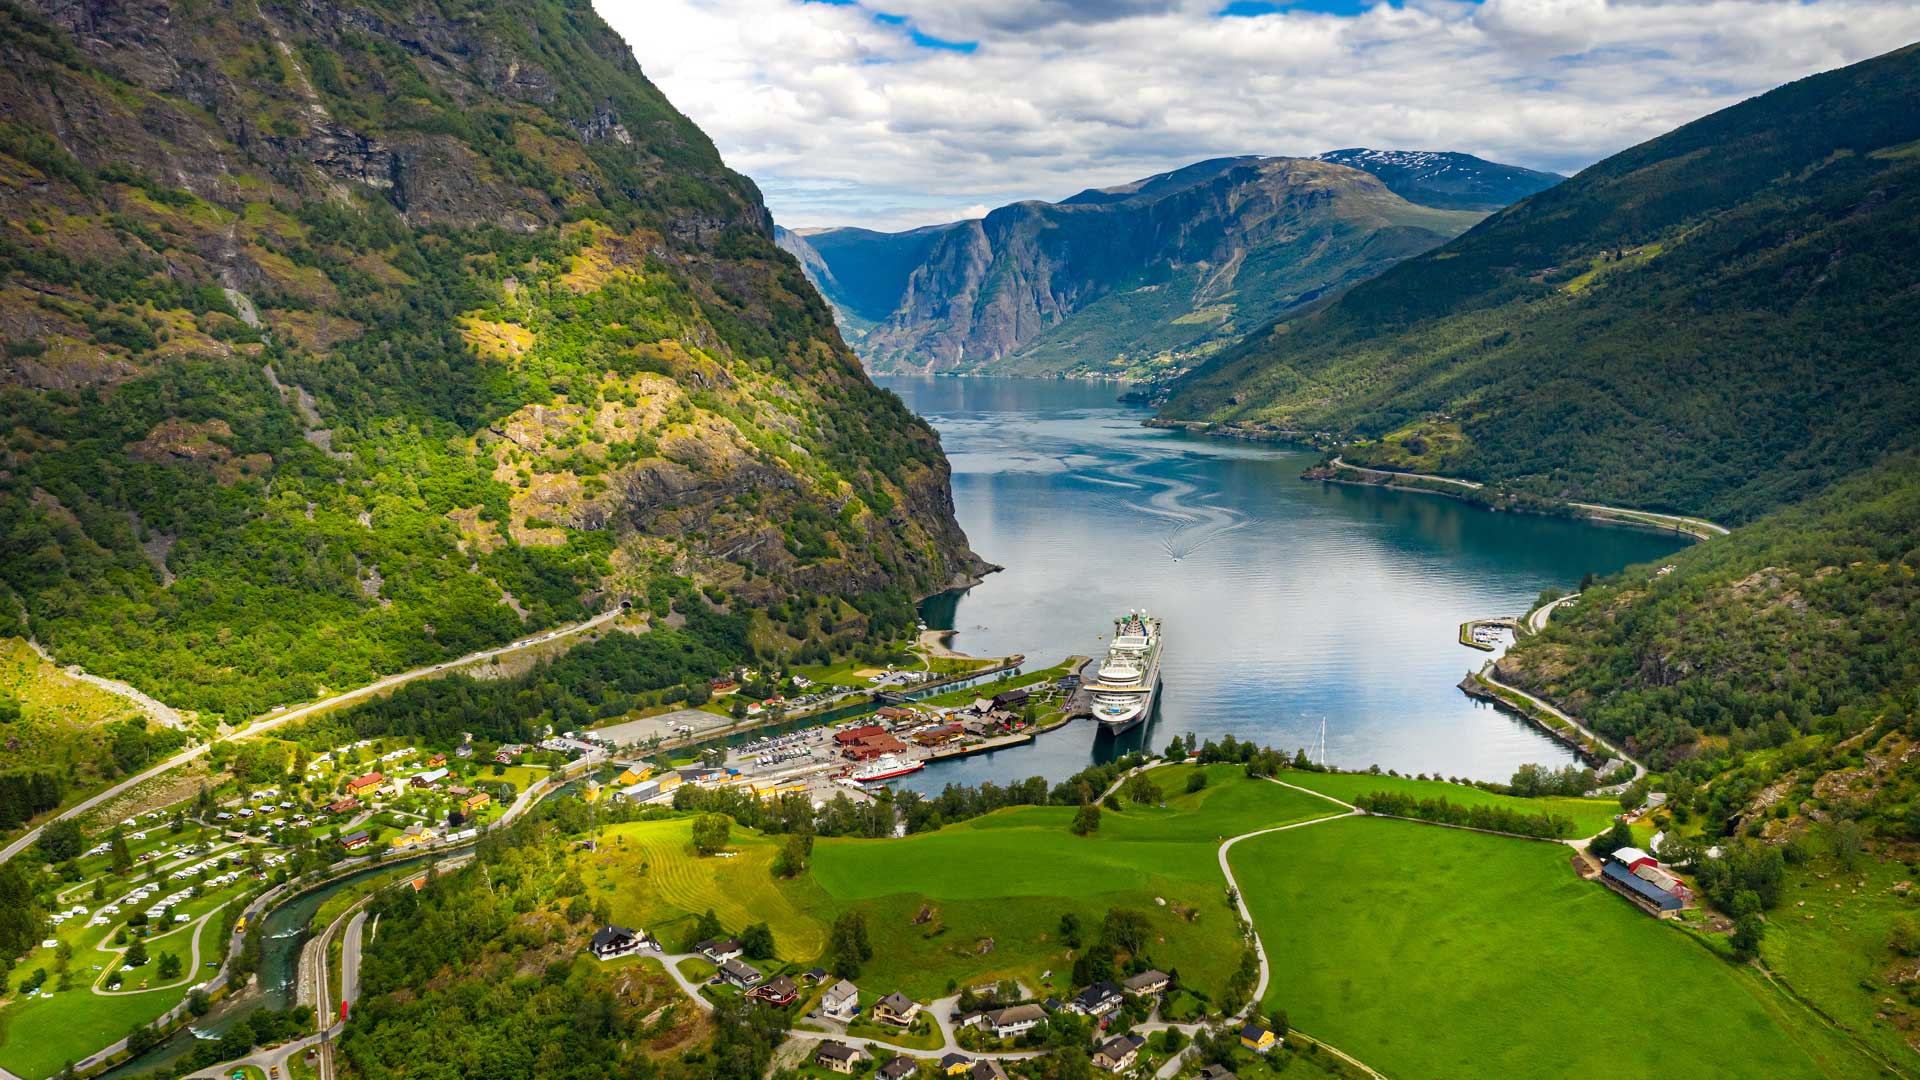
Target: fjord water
point(1285, 601)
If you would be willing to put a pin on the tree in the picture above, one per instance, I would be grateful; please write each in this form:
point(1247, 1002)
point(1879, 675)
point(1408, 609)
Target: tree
point(1904, 936)
point(706, 928)
point(60, 840)
point(122, 858)
point(1086, 820)
point(848, 947)
point(169, 966)
point(711, 832)
point(1070, 930)
point(1844, 839)
point(1143, 790)
point(1278, 1022)
point(1196, 780)
point(1612, 840)
point(757, 941)
point(794, 854)
point(137, 953)
point(1748, 929)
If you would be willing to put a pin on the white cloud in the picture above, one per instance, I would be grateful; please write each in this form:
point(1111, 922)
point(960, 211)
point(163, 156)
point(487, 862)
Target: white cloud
point(843, 119)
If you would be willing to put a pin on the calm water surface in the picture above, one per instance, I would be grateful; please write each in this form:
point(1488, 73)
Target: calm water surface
point(1285, 601)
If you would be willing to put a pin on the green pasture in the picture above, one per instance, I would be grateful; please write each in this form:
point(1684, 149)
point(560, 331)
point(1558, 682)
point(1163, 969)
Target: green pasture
point(1441, 953)
point(1590, 816)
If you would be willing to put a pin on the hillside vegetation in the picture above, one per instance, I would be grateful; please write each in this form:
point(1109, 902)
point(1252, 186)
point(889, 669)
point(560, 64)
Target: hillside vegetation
point(344, 337)
point(1718, 321)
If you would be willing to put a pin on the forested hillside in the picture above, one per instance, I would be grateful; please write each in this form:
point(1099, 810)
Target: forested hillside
point(343, 337)
point(1719, 321)
point(1805, 621)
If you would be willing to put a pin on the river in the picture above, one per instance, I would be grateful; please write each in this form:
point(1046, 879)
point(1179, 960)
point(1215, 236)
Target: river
point(1286, 603)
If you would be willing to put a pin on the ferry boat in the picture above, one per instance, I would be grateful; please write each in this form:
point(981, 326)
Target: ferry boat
point(886, 767)
point(1129, 678)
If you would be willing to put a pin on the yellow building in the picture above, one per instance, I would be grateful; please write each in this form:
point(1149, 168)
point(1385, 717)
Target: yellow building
point(631, 777)
point(669, 781)
point(1257, 1038)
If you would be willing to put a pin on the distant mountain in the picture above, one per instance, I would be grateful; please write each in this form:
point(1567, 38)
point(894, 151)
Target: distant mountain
point(1137, 279)
point(1718, 321)
point(1445, 179)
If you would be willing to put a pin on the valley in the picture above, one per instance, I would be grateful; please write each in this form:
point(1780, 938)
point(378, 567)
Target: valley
point(487, 601)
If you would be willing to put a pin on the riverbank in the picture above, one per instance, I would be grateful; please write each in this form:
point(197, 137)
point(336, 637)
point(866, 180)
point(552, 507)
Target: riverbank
point(1336, 471)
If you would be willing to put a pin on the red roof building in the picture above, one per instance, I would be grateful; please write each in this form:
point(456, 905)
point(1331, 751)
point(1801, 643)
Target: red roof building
point(854, 735)
point(364, 783)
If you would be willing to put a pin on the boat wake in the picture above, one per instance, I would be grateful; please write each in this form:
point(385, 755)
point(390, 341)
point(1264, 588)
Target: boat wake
point(1195, 523)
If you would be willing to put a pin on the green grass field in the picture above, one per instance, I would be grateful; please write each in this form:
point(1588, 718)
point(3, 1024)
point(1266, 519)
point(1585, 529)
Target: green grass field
point(1440, 953)
point(1829, 941)
point(966, 695)
point(659, 883)
point(1590, 816)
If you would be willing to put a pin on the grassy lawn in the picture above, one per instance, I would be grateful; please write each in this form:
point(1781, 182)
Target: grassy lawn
point(41, 1035)
point(1590, 816)
point(520, 776)
point(1441, 953)
point(924, 1035)
point(1829, 941)
point(976, 901)
point(658, 882)
point(991, 687)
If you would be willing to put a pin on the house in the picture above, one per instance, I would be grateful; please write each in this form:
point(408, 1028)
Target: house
point(1258, 1038)
point(894, 714)
point(1097, 1000)
point(939, 735)
point(778, 991)
point(1015, 1020)
point(741, 974)
point(1619, 877)
point(956, 1064)
point(669, 780)
point(1147, 982)
point(837, 1057)
point(1216, 1072)
point(1633, 858)
point(873, 746)
point(966, 1020)
point(463, 751)
point(476, 800)
point(815, 976)
point(898, 1068)
point(1118, 1052)
point(365, 783)
point(631, 775)
point(413, 836)
point(1011, 699)
point(354, 840)
point(436, 761)
point(611, 941)
point(855, 734)
point(342, 806)
point(841, 1001)
point(987, 1069)
point(429, 778)
point(719, 950)
point(896, 1008)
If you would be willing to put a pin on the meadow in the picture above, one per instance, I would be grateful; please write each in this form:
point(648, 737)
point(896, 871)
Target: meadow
point(939, 906)
point(1590, 816)
point(1442, 953)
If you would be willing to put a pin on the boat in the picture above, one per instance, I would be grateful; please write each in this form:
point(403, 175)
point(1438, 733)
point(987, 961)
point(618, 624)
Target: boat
point(1129, 678)
point(886, 767)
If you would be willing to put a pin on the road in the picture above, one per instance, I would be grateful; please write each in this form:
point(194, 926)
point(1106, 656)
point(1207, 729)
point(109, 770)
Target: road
point(1693, 526)
point(1537, 621)
point(269, 721)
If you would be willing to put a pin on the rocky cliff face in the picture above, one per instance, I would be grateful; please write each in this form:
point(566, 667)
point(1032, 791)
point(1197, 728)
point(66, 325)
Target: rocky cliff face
point(1144, 277)
point(340, 336)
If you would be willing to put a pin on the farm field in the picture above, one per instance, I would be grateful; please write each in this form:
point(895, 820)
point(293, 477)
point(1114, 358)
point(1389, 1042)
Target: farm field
point(936, 905)
point(1442, 953)
point(1590, 816)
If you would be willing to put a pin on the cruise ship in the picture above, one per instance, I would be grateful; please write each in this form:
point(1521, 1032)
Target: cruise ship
point(1129, 678)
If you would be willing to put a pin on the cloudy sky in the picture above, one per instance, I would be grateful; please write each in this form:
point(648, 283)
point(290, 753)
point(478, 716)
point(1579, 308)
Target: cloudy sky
point(906, 112)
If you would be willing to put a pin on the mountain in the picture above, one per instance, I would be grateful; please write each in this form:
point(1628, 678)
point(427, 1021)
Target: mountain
point(346, 336)
point(1445, 179)
point(1128, 280)
point(1718, 321)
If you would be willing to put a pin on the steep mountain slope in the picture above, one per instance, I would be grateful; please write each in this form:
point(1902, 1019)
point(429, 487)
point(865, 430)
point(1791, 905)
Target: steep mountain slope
point(346, 336)
point(1141, 277)
point(862, 273)
point(1717, 321)
point(1445, 179)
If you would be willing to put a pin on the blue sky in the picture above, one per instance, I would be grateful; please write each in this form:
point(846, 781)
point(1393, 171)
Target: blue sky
point(907, 112)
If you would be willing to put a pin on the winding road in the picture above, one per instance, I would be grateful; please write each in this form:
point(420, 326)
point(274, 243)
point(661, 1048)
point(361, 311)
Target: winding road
point(1700, 528)
point(271, 720)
